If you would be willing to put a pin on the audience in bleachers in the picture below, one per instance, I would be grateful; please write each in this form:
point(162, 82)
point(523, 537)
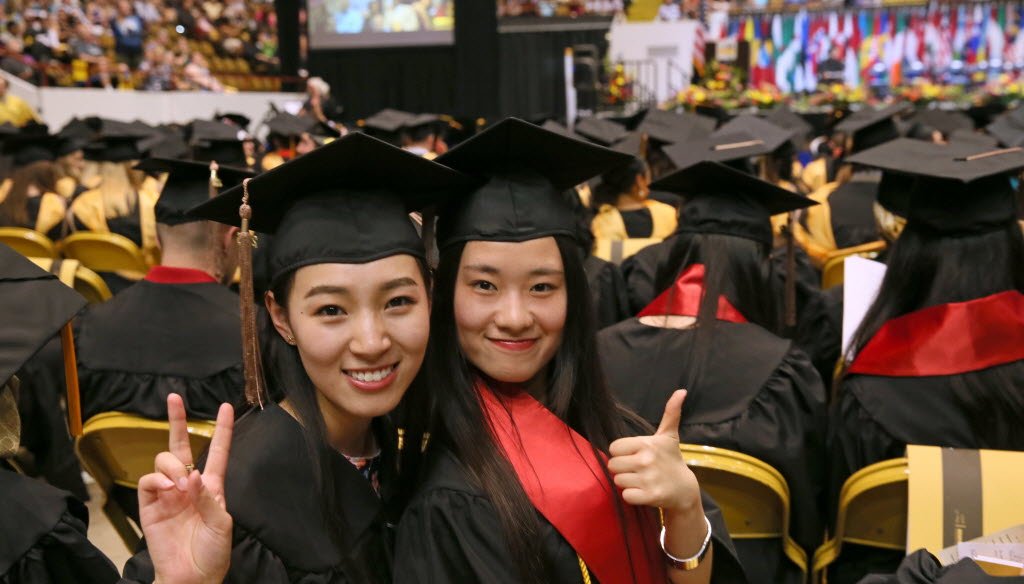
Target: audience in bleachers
point(146, 44)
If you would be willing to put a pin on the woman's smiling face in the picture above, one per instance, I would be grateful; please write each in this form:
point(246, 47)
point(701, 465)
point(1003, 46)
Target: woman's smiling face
point(510, 307)
point(361, 331)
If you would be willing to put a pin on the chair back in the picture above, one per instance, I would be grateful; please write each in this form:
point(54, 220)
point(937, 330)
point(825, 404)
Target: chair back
point(832, 271)
point(85, 281)
point(118, 449)
point(104, 252)
point(617, 250)
point(28, 242)
point(753, 496)
point(872, 512)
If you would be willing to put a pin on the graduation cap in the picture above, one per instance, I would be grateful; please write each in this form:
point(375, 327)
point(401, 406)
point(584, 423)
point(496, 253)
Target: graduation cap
point(974, 138)
point(602, 131)
point(871, 127)
point(386, 124)
point(26, 149)
point(346, 202)
point(669, 127)
point(44, 308)
point(286, 125)
point(74, 136)
point(240, 120)
point(553, 126)
point(115, 141)
point(945, 122)
point(635, 144)
point(1007, 130)
point(168, 142)
point(721, 199)
point(773, 137)
point(725, 147)
point(217, 141)
point(526, 169)
point(787, 119)
point(421, 126)
point(957, 189)
point(187, 186)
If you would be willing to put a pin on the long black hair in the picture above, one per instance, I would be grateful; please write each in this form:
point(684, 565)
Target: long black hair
point(576, 394)
point(618, 181)
point(927, 268)
point(734, 267)
point(287, 378)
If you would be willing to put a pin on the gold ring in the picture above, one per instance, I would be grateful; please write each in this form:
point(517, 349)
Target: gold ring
point(189, 468)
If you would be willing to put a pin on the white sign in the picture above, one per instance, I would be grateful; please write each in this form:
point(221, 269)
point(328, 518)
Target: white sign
point(667, 45)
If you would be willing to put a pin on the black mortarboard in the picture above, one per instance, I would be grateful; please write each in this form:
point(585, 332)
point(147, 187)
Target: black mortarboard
point(669, 127)
point(346, 202)
point(286, 125)
point(602, 131)
point(871, 127)
point(115, 141)
point(635, 144)
point(944, 121)
point(553, 126)
point(957, 190)
point(217, 141)
point(724, 147)
point(723, 200)
point(773, 136)
point(386, 124)
point(40, 305)
point(240, 120)
point(74, 136)
point(526, 169)
point(168, 142)
point(26, 149)
point(187, 186)
point(1007, 130)
point(974, 138)
point(422, 122)
point(787, 119)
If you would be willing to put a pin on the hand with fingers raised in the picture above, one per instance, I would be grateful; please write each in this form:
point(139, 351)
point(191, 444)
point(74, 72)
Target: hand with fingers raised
point(183, 513)
point(650, 471)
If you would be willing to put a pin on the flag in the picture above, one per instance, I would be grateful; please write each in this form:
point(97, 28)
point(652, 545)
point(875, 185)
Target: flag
point(699, 45)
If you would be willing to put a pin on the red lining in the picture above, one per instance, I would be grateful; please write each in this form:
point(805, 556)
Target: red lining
point(683, 298)
point(172, 275)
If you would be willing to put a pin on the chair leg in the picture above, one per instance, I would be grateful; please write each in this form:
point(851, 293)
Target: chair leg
point(122, 524)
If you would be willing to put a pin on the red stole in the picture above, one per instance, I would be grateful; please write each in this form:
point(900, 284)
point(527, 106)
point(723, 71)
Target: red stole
point(566, 484)
point(948, 339)
point(683, 298)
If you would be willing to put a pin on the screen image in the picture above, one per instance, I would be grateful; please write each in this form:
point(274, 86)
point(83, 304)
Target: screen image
point(340, 24)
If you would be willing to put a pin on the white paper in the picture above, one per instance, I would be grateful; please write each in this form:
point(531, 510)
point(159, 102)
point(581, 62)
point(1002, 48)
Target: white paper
point(1006, 545)
point(861, 280)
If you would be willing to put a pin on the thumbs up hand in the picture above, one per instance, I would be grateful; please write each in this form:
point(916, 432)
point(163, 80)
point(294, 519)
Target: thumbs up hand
point(650, 470)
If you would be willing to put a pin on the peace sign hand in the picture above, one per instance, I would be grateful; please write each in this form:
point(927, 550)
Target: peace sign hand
point(183, 513)
point(650, 470)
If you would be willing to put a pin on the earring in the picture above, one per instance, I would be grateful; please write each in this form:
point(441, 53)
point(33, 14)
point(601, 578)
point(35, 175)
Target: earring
point(290, 340)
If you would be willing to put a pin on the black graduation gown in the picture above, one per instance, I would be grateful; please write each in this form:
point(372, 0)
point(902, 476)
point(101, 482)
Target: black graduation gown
point(851, 211)
point(43, 536)
point(640, 270)
point(757, 395)
point(921, 567)
point(874, 419)
point(820, 331)
point(280, 533)
point(608, 290)
point(154, 339)
point(450, 532)
point(44, 428)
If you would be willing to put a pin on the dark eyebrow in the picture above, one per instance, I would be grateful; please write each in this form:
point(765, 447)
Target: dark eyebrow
point(398, 283)
point(547, 272)
point(483, 268)
point(341, 290)
point(325, 289)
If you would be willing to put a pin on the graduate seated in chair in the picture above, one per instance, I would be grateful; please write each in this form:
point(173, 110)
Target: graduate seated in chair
point(939, 356)
point(43, 529)
point(714, 331)
point(28, 198)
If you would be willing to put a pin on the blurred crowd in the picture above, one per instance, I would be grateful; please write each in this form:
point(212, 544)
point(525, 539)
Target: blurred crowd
point(142, 44)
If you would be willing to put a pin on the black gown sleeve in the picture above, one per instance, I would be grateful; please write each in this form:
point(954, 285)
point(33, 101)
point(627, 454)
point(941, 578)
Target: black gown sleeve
point(50, 546)
point(820, 329)
point(608, 289)
point(639, 271)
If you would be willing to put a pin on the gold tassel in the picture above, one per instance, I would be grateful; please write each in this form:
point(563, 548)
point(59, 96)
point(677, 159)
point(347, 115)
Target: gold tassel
point(254, 387)
point(790, 274)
